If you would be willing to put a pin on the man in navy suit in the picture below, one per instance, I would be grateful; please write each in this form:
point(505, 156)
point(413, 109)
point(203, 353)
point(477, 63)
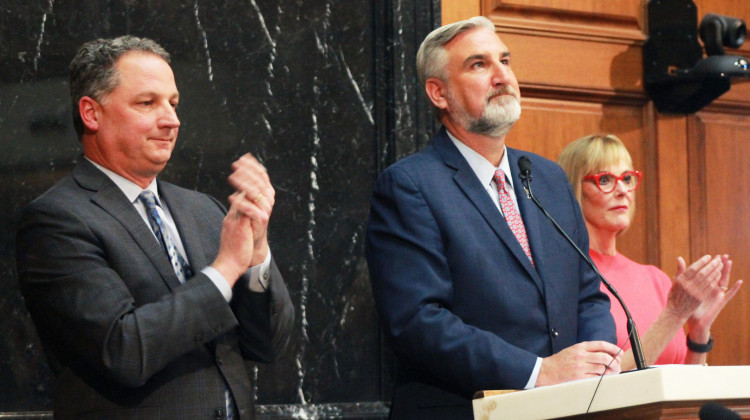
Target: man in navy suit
point(467, 302)
point(148, 297)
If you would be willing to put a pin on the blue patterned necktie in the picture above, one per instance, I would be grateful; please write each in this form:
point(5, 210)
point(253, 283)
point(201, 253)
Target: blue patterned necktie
point(180, 266)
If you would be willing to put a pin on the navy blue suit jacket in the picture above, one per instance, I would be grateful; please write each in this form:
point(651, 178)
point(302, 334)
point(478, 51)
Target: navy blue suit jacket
point(463, 307)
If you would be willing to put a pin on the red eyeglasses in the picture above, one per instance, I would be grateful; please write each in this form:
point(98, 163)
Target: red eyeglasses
point(607, 181)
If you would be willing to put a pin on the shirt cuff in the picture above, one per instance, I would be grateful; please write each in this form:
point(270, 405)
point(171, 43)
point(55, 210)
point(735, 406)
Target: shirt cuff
point(219, 281)
point(534, 374)
point(259, 276)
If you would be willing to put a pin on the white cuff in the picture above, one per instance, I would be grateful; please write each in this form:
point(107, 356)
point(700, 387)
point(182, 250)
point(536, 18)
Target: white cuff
point(259, 275)
point(219, 281)
point(534, 374)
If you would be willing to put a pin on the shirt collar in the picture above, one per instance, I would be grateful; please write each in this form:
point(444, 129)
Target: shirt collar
point(482, 167)
point(128, 187)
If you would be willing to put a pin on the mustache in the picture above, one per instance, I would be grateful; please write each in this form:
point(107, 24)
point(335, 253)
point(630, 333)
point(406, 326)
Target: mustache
point(505, 90)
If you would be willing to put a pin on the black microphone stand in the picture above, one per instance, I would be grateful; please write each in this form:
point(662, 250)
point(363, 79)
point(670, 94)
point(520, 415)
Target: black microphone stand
point(635, 341)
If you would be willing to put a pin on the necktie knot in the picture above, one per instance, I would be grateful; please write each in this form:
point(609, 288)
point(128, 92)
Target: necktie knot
point(499, 179)
point(148, 199)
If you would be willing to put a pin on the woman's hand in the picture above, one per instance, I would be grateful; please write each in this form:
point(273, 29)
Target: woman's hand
point(694, 285)
point(700, 321)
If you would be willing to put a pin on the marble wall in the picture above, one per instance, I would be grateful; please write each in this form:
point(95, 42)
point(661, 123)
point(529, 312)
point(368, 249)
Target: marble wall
point(323, 92)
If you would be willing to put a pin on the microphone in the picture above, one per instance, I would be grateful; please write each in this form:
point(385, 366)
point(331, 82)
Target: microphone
point(524, 165)
point(715, 411)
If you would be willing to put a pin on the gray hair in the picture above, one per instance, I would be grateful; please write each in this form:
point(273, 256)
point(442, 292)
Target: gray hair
point(92, 71)
point(432, 57)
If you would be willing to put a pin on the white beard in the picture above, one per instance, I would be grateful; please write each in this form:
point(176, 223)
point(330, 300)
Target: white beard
point(497, 117)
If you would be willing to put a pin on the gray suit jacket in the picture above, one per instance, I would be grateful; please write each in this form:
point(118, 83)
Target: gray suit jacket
point(123, 337)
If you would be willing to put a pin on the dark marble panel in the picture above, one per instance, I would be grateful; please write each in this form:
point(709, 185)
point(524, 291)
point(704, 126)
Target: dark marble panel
point(323, 92)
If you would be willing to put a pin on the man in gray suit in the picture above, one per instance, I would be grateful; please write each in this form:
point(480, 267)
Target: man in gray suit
point(148, 297)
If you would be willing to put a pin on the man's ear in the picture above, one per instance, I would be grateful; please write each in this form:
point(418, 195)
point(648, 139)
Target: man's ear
point(89, 110)
point(435, 89)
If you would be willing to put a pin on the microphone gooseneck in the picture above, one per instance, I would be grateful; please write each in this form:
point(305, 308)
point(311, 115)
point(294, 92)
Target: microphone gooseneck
point(524, 165)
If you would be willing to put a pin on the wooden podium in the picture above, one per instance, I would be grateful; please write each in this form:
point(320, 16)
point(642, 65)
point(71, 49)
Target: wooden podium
point(662, 392)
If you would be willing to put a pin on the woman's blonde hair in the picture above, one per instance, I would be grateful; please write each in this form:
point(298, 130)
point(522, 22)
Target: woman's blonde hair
point(589, 155)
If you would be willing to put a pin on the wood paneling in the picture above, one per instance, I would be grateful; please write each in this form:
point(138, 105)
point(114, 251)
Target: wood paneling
point(720, 217)
point(453, 11)
point(582, 7)
point(575, 66)
point(673, 225)
point(718, 142)
point(615, 20)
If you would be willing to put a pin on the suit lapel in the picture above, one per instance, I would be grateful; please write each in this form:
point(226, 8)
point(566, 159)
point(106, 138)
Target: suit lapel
point(184, 218)
point(112, 200)
point(467, 180)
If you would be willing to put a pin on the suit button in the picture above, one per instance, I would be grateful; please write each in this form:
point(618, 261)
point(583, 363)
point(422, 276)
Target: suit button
point(218, 360)
point(219, 413)
point(555, 333)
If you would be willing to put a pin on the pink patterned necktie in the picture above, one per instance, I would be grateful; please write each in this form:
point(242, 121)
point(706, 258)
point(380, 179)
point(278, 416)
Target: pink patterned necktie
point(511, 213)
